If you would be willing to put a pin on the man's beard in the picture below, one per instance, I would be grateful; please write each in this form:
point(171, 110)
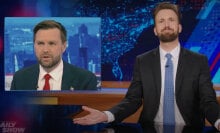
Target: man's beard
point(168, 37)
point(51, 64)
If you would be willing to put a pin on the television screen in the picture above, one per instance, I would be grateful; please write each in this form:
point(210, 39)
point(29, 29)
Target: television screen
point(83, 43)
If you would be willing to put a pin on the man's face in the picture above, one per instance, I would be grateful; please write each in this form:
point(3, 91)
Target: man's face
point(167, 26)
point(48, 47)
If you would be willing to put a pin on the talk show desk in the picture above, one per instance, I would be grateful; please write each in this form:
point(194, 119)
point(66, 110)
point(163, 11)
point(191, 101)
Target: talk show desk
point(102, 99)
point(53, 111)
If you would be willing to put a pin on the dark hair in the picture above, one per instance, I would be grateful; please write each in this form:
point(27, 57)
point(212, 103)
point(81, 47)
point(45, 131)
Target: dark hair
point(50, 24)
point(167, 5)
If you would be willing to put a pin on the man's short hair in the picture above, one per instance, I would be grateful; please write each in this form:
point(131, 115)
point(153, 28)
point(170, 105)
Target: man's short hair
point(167, 5)
point(50, 24)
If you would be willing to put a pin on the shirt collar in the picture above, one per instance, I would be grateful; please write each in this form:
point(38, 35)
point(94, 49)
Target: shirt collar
point(54, 73)
point(175, 52)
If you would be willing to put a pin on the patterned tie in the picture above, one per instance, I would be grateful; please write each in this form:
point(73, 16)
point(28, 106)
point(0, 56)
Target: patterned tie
point(47, 84)
point(168, 106)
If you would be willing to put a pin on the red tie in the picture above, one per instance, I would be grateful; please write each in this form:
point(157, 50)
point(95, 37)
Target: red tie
point(47, 84)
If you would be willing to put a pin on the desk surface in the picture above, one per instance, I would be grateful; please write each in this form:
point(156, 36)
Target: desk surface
point(101, 100)
point(15, 115)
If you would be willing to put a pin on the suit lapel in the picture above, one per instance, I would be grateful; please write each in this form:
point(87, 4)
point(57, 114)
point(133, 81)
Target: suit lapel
point(33, 78)
point(66, 80)
point(157, 71)
point(179, 73)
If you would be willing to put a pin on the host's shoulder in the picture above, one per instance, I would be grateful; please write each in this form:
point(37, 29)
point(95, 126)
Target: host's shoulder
point(149, 53)
point(192, 54)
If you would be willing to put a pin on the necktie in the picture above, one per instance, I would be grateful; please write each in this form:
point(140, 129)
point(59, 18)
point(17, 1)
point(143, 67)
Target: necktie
point(168, 106)
point(47, 84)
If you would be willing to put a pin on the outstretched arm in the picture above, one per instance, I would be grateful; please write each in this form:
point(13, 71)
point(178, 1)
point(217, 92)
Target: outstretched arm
point(94, 117)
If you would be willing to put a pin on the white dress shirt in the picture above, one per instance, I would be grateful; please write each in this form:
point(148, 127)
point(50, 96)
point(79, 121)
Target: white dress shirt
point(55, 80)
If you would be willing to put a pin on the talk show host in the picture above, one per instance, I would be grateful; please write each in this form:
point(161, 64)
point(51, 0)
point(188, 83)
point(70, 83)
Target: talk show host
point(191, 95)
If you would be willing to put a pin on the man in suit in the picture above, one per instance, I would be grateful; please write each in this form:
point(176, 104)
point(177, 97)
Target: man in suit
point(49, 45)
point(194, 96)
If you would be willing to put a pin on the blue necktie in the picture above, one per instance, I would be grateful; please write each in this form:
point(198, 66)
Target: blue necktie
point(168, 105)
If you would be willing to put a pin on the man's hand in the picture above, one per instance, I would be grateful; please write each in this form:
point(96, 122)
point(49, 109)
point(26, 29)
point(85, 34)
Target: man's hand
point(94, 117)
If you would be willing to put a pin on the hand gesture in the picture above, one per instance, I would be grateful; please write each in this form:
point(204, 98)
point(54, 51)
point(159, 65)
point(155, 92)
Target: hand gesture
point(94, 117)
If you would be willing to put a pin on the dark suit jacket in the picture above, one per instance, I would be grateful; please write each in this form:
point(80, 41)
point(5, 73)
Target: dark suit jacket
point(195, 96)
point(73, 77)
